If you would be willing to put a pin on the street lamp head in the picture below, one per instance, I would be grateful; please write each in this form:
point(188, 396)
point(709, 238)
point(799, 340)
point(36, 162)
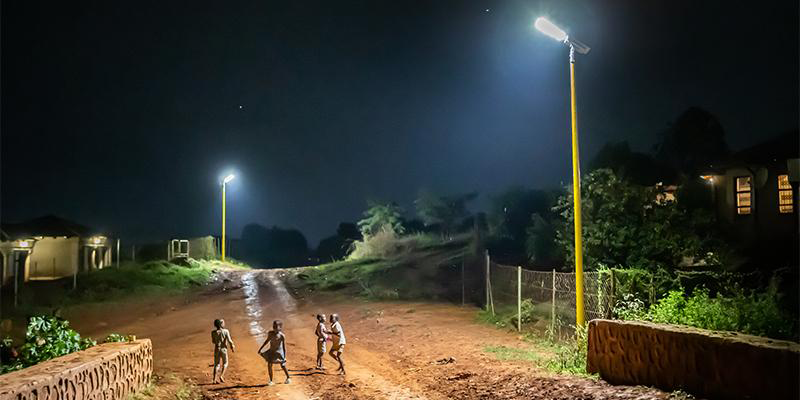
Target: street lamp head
point(228, 178)
point(550, 29)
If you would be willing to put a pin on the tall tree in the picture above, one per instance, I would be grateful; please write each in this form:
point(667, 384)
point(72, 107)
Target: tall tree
point(625, 225)
point(694, 141)
point(274, 247)
point(381, 217)
point(639, 168)
point(446, 212)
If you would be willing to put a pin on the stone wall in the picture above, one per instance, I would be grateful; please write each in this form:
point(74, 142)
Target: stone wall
point(107, 371)
point(718, 365)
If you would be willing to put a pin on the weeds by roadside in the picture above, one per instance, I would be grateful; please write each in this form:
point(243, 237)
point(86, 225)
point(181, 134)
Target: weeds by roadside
point(169, 387)
point(551, 351)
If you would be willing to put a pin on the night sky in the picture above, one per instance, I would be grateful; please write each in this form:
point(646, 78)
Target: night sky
point(125, 115)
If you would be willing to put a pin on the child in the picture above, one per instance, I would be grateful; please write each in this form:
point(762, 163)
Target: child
point(277, 350)
point(221, 339)
point(337, 348)
point(322, 337)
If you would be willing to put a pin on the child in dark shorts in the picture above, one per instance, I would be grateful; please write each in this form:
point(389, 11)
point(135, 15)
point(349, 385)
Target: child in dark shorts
point(276, 353)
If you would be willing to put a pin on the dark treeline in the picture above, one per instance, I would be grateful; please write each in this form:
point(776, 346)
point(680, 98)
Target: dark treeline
point(641, 210)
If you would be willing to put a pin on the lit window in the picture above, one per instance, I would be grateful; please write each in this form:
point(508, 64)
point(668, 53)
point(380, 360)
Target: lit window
point(785, 200)
point(743, 195)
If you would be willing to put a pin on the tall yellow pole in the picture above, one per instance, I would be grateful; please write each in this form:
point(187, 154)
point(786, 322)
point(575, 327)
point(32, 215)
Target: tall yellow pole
point(576, 190)
point(223, 221)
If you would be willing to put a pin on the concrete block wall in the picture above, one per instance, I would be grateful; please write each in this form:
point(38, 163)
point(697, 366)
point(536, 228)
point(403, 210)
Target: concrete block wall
point(108, 371)
point(718, 365)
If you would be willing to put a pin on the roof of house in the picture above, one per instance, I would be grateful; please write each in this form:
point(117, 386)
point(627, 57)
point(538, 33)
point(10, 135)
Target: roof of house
point(779, 148)
point(48, 225)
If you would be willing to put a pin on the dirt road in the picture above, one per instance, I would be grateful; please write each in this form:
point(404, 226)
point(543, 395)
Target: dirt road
point(393, 349)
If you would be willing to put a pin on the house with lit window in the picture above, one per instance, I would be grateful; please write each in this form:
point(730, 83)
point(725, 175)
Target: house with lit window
point(755, 196)
point(50, 248)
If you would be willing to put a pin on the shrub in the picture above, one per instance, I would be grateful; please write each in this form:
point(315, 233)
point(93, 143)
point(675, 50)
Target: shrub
point(570, 356)
point(47, 337)
point(751, 312)
point(116, 338)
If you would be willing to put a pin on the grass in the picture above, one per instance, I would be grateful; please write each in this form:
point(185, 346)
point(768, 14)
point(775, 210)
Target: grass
point(170, 387)
point(550, 351)
point(505, 353)
point(115, 284)
point(410, 269)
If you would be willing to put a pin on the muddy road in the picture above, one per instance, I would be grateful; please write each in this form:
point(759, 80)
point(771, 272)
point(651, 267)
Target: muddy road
point(394, 350)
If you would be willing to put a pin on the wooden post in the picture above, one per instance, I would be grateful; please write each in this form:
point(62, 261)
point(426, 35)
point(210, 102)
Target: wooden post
point(613, 296)
point(553, 304)
point(519, 299)
point(486, 278)
point(117, 253)
point(463, 295)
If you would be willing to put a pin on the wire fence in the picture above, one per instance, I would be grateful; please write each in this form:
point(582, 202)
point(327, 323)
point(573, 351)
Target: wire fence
point(547, 298)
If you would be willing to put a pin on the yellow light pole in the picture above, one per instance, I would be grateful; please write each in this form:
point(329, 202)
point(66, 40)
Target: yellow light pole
point(224, 184)
point(549, 29)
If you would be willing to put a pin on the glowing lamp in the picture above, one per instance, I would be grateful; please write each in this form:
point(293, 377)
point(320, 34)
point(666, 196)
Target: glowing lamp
point(550, 29)
point(228, 178)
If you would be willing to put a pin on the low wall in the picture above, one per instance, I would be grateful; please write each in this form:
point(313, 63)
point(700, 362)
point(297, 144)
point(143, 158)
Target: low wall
point(719, 365)
point(107, 371)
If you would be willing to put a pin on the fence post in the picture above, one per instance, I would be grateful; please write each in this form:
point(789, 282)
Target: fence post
point(519, 299)
point(462, 284)
point(487, 280)
point(489, 297)
point(553, 305)
point(613, 295)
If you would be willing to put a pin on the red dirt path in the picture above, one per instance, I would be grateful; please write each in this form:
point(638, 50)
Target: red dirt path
point(391, 352)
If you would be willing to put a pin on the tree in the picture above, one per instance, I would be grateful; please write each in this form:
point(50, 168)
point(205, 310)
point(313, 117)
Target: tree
point(694, 141)
point(625, 226)
point(381, 217)
point(274, 247)
point(540, 243)
point(511, 211)
point(337, 246)
point(635, 167)
point(446, 212)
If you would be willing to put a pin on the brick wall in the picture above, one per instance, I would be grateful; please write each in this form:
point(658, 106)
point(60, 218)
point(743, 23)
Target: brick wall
point(108, 371)
point(719, 365)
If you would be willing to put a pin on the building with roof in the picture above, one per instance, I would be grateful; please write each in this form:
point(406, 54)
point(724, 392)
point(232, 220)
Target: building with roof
point(755, 196)
point(48, 248)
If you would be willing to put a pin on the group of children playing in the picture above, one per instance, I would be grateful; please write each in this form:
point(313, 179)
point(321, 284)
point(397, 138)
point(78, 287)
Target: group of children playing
point(276, 353)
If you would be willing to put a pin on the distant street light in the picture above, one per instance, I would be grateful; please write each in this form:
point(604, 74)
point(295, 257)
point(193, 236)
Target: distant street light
point(550, 29)
point(224, 184)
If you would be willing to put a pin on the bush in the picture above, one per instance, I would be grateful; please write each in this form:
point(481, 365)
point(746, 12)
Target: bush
point(747, 312)
point(570, 356)
point(47, 337)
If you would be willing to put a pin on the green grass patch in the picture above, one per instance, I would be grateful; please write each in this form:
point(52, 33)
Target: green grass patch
point(116, 284)
point(410, 267)
point(505, 353)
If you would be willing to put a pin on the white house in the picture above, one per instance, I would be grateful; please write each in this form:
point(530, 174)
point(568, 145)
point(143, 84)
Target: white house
point(49, 248)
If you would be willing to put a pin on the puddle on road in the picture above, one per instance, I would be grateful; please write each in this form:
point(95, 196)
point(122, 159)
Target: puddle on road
point(253, 305)
point(287, 301)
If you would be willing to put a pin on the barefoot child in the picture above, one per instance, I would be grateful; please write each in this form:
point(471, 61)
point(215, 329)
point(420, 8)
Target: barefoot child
point(337, 348)
point(322, 337)
point(221, 339)
point(277, 350)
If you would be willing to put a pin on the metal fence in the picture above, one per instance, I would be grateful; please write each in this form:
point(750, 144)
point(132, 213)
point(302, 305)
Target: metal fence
point(546, 296)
